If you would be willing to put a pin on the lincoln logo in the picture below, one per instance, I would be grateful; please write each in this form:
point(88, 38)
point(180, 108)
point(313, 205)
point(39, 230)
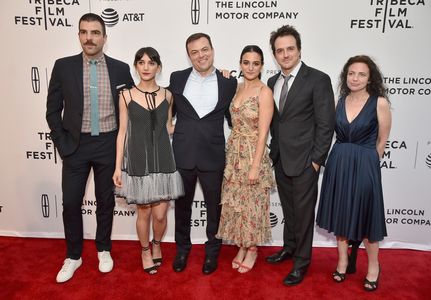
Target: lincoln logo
point(35, 80)
point(44, 202)
point(195, 11)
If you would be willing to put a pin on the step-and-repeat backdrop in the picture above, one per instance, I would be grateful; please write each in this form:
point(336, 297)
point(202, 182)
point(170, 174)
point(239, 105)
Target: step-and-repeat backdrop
point(37, 32)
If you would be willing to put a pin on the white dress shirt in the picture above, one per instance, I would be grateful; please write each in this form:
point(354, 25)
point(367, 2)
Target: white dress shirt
point(202, 92)
point(280, 80)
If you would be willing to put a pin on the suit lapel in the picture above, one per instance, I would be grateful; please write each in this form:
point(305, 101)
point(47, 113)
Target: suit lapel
point(180, 87)
point(296, 87)
point(78, 74)
point(220, 91)
point(112, 75)
point(272, 80)
point(183, 81)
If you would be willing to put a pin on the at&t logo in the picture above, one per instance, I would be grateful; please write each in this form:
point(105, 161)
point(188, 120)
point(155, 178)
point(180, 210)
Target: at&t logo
point(428, 161)
point(273, 219)
point(111, 17)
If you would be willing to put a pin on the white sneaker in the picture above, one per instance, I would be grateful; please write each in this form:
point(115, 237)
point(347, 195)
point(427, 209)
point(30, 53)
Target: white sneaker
point(68, 269)
point(105, 261)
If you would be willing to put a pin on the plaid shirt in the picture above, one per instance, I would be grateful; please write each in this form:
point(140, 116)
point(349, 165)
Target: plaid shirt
point(107, 120)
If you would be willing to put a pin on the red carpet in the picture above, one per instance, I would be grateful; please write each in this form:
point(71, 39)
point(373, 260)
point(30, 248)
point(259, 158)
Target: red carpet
point(28, 268)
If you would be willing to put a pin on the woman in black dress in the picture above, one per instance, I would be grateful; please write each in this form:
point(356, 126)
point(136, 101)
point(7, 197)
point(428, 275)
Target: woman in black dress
point(351, 198)
point(145, 172)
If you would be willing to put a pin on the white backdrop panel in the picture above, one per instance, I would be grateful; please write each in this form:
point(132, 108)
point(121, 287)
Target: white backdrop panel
point(393, 32)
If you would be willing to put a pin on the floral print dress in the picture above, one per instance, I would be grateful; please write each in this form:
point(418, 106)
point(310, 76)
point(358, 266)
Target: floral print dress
point(245, 208)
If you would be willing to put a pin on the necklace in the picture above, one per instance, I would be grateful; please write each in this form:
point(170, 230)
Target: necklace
point(150, 97)
point(153, 92)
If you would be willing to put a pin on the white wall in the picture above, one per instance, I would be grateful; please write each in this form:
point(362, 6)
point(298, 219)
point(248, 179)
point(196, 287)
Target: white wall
point(394, 32)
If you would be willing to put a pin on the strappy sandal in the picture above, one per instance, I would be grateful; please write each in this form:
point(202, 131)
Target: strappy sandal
point(151, 270)
point(341, 276)
point(371, 286)
point(158, 260)
point(243, 268)
point(235, 262)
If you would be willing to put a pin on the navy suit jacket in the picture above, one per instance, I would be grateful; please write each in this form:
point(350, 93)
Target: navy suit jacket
point(303, 132)
point(200, 142)
point(65, 101)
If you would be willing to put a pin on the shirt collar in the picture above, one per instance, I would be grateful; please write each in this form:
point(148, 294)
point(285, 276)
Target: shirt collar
point(293, 73)
point(197, 74)
point(99, 60)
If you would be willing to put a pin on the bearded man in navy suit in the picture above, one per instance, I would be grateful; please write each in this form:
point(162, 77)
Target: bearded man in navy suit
point(201, 100)
point(82, 113)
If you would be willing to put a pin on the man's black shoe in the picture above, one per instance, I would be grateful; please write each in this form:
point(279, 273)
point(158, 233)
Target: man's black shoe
point(279, 256)
point(295, 276)
point(180, 262)
point(210, 265)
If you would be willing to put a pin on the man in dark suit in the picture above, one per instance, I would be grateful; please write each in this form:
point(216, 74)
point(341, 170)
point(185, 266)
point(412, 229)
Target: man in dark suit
point(301, 130)
point(82, 113)
point(201, 98)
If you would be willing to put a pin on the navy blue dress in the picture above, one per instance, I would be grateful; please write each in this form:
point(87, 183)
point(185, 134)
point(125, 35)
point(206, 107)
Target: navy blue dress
point(351, 198)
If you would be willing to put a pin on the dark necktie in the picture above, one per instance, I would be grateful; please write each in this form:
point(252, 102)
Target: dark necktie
point(283, 94)
point(94, 99)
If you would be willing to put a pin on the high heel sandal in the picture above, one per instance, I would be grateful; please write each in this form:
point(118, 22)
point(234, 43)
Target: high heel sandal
point(351, 264)
point(351, 267)
point(341, 276)
point(236, 263)
point(158, 260)
point(153, 269)
point(373, 285)
point(244, 269)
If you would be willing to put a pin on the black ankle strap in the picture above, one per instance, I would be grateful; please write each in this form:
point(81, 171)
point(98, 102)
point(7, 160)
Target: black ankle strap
point(156, 242)
point(146, 248)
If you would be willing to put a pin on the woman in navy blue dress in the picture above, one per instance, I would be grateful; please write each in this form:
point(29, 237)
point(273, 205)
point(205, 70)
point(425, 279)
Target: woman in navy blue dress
point(351, 198)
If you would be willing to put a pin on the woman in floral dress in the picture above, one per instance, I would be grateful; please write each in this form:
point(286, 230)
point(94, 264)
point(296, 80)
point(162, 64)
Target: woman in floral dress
point(248, 177)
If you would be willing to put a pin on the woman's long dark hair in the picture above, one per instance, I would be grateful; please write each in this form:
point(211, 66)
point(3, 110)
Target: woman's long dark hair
point(375, 86)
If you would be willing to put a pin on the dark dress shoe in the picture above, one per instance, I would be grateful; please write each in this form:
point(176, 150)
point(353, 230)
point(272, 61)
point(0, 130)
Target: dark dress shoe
point(279, 256)
point(295, 276)
point(180, 262)
point(210, 265)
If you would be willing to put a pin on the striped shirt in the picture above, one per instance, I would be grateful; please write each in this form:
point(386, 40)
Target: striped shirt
point(107, 120)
